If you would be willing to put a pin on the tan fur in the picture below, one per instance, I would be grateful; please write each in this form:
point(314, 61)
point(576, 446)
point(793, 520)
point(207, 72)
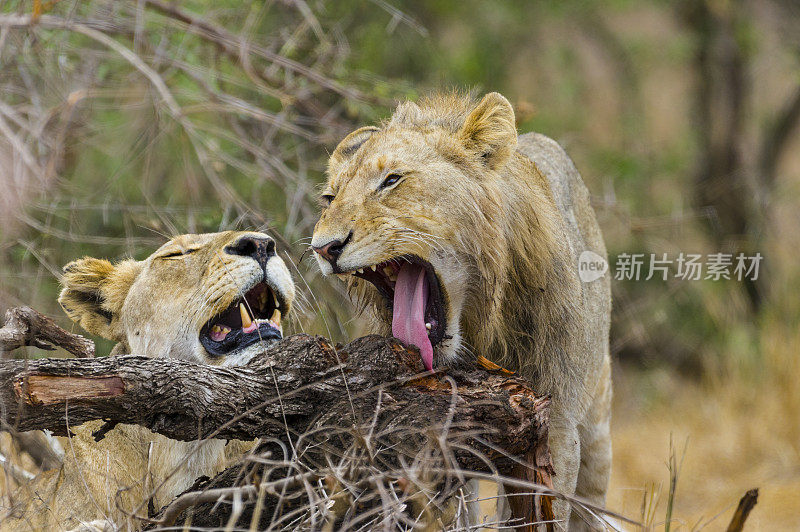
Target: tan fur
point(155, 307)
point(503, 220)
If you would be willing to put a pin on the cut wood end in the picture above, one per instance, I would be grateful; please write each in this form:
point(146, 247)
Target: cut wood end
point(42, 390)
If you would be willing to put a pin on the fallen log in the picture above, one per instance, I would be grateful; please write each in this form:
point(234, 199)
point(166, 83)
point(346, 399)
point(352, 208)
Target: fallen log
point(368, 405)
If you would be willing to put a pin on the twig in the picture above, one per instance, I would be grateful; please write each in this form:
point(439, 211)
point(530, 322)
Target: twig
point(228, 44)
point(25, 326)
point(746, 504)
point(194, 498)
point(53, 22)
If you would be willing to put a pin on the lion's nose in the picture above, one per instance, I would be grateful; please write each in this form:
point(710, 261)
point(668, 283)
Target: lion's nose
point(332, 249)
point(257, 247)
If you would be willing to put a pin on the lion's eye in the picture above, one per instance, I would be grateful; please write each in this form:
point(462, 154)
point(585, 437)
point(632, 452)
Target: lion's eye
point(391, 179)
point(177, 253)
point(327, 199)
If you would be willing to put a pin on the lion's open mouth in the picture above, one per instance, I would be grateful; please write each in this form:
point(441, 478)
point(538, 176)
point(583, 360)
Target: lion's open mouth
point(413, 293)
point(253, 318)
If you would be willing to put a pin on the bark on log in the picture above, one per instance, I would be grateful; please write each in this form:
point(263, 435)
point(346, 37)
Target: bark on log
point(373, 388)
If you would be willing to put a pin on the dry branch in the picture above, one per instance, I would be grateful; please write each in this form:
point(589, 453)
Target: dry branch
point(176, 398)
point(304, 390)
point(237, 49)
point(25, 326)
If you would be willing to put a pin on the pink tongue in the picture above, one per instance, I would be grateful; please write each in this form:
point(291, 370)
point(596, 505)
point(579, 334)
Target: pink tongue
point(408, 320)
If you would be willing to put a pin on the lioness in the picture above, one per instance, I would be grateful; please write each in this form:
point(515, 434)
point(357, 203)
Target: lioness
point(463, 238)
point(209, 298)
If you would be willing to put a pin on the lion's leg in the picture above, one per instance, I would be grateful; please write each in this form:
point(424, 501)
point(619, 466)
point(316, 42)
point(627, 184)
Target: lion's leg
point(595, 434)
point(503, 510)
point(565, 451)
point(471, 494)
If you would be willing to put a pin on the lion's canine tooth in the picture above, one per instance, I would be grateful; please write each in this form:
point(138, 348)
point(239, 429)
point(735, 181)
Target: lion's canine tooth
point(374, 267)
point(246, 320)
point(275, 299)
point(276, 317)
point(428, 326)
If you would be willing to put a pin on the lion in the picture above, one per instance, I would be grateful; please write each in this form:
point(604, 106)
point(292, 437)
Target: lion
point(462, 238)
point(208, 298)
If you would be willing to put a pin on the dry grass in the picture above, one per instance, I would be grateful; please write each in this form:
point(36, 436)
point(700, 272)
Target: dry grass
point(741, 432)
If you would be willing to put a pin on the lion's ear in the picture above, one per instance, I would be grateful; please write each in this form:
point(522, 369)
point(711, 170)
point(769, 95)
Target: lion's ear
point(490, 130)
point(351, 143)
point(93, 294)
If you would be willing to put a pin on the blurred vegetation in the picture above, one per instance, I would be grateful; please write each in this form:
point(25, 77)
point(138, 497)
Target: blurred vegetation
point(614, 82)
point(681, 118)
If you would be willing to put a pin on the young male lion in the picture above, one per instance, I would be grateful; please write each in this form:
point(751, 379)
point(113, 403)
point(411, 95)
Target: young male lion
point(468, 238)
point(209, 298)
